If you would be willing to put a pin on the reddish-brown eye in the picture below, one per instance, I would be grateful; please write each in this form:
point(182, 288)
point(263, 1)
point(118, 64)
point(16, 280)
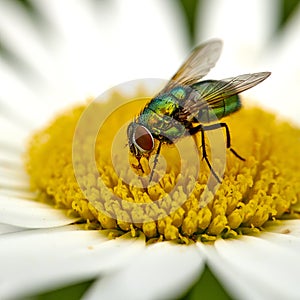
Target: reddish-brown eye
point(143, 139)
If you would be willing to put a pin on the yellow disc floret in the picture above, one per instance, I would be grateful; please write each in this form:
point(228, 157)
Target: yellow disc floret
point(263, 188)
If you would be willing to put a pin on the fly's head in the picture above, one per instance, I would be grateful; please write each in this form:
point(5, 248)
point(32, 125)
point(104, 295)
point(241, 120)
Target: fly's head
point(141, 143)
point(140, 139)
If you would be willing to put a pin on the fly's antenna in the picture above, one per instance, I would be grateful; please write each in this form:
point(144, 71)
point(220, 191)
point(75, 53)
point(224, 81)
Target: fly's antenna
point(155, 161)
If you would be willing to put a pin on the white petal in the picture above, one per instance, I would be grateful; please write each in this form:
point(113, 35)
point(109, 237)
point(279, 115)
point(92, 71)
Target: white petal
point(12, 184)
point(256, 268)
point(11, 133)
point(21, 93)
point(288, 227)
point(42, 51)
point(245, 26)
point(43, 259)
point(163, 271)
point(5, 228)
point(281, 58)
point(13, 179)
point(19, 181)
point(291, 242)
point(101, 46)
point(25, 39)
point(236, 285)
point(10, 159)
point(20, 101)
point(31, 214)
point(89, 49)
point(13, 172)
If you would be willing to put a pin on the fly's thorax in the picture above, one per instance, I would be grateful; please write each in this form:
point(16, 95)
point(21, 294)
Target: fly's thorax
point(162, 127)
point(159, 116)
point(164, 105)
point(180, 93)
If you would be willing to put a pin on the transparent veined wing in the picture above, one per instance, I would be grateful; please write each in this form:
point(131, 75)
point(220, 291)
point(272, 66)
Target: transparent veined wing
point(198, 64)
point(212, 94)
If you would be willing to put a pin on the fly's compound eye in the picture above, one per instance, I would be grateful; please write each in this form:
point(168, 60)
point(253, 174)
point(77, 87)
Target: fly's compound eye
point(142, 139)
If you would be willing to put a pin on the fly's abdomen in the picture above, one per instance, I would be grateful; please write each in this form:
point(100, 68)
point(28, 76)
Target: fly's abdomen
point(216, 108)
point(225, 107)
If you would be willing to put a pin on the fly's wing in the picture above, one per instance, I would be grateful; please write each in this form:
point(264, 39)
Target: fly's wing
point(212, 95)
point(197, 65)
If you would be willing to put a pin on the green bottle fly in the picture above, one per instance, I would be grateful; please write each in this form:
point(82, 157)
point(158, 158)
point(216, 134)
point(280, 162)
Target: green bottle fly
point(187, 106)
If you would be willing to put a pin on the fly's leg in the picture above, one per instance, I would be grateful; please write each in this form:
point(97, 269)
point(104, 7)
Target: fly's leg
point(228, 140)
point(193, 131)
point(155, 161)
point(203, 128)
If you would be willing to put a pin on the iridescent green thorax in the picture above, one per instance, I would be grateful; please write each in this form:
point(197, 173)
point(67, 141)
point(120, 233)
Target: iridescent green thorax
point(158, 115)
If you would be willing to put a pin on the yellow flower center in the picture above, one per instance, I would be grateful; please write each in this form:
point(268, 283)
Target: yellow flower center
point(264, 188)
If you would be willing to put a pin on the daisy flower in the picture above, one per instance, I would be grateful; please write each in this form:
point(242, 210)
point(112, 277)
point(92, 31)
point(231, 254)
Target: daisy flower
point(63, 224)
